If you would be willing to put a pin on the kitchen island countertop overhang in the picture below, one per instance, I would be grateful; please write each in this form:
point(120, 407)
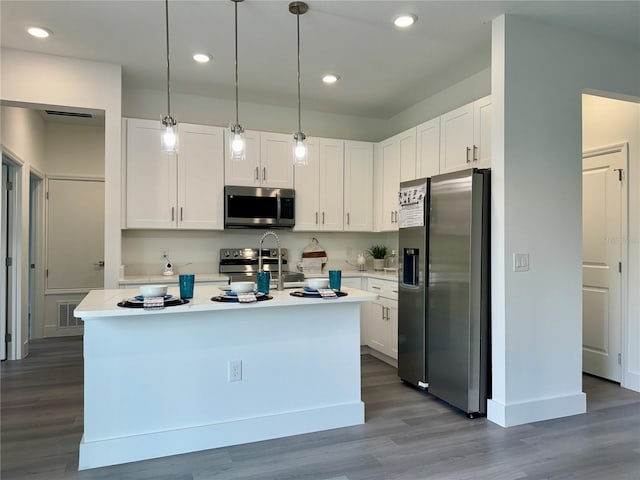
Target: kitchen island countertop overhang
point(159, 382)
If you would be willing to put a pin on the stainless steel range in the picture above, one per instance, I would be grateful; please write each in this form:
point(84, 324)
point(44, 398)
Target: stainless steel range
point(241, 264)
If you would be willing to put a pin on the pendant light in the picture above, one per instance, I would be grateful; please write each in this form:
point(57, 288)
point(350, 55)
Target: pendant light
point(300, 147)
point(170, 134)
point(237, 140)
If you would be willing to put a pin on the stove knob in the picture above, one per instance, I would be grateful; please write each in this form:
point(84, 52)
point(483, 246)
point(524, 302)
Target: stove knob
point(226, 254)
point(273, 253)
point(235, 254)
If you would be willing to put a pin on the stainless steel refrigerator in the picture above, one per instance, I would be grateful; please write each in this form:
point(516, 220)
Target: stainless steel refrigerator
point(413, 243)
point(458, 355)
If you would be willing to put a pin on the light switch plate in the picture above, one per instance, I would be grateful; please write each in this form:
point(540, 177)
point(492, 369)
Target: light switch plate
point(520, 262)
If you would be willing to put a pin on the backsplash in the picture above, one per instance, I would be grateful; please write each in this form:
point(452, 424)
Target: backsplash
point(194, 251)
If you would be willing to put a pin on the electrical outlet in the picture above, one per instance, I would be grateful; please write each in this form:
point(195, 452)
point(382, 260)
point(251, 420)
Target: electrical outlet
point(235, 370)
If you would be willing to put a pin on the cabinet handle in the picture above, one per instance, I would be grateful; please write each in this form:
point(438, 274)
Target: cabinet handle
point(373, 287)
point(383, 317)
point(468, 152)
point(173, 213)
point(180, 213)
point(257, 174)
point(316, 218)
point(323, 218)
point(264, 173)
point(348, 219)
point(475, 153)
point(391, 216)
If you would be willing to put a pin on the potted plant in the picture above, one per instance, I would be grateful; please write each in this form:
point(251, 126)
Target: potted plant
point(378, 253)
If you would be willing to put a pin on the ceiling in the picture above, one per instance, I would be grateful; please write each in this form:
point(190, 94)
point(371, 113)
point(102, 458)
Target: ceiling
point(382, 69)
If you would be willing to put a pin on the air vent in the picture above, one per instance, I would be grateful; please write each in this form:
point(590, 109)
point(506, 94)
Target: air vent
point(68, 114)
point(65, 315)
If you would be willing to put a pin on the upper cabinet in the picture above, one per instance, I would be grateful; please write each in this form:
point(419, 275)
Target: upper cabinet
point(319, 187)
point(173, 191)
point(428, 148)
point(268, 161)
point(407, 153)
point(387, 182)
point(465, 137)
point(358, 186)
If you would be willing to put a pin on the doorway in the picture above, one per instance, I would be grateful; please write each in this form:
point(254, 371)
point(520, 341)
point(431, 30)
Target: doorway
point(36, 256)
point(604, 207)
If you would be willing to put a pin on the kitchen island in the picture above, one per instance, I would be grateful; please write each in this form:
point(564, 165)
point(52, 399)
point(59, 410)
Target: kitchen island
point(207, 374)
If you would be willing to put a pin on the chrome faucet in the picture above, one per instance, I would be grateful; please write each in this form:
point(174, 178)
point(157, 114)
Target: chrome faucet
point(280, 279)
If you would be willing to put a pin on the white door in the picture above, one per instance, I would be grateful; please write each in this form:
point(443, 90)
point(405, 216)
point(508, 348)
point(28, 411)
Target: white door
point(307, 188)
point(332, 184)
point(75, 234)
point(243, 172)
point(276, 159)
point(603, 204)
point(358, 186)
point(456, 139)
point(428, 149)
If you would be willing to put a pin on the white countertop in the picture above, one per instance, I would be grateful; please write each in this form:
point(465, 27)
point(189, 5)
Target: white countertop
point(103, 303)
point(220, 277)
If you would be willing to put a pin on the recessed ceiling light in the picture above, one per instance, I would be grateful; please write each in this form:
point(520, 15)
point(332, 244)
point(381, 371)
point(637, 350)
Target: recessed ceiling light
point(330, 78)
point(405, 20)
point(202, 57)
point(38, 32)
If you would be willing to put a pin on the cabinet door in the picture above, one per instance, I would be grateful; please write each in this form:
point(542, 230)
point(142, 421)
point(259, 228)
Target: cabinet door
point(378, 188)
point(456, 139)
point(390, 152)
point(358, 186)
point(150, 177)
point(331, 184)
point(407, 153)
point(428, 149)
point(200, 177)
point(392, 325)
point(243, 172)
point(377, 328)
point(276, 160)
point(307, 188)
point(482, 112)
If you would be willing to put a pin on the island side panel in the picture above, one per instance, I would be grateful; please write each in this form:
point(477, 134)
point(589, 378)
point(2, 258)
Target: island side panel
point(158, 385)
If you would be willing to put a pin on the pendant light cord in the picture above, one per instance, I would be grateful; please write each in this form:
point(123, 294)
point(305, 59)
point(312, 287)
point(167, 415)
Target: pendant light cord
point(298, 27)
point(236, 11)
point(166, 11)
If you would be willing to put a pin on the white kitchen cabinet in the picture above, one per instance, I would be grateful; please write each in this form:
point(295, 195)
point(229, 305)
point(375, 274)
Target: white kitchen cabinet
point(358, 186)
point(173, 191)
point(319, 187)
point(387, 182)
point(268, 161)
point(407, 154)
point(465, 137)
point(381, 318)
point(428, 148)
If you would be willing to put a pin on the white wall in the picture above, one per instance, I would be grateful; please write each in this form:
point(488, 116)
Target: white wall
point(607, 122)
point(76, 150)
point(150, 104)
point(23, 139)
point(538, 75)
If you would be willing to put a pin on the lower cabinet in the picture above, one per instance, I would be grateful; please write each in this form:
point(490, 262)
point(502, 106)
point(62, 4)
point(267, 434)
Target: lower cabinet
point(380, 318)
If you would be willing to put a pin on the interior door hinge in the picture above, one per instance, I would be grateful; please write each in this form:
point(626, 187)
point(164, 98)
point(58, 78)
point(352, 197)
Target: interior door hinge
point(46, 196)
point(9, 185)
point(7, 338)
point(46, 273)
point(619, 267)
point(619, 359)
point(8, 261)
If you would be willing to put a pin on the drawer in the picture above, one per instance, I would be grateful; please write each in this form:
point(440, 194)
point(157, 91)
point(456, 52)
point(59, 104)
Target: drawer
point(384, 288)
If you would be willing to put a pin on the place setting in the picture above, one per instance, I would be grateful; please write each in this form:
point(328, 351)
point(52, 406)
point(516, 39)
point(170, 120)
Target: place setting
point(247, 292)
point(326, 288)
point(155, 297)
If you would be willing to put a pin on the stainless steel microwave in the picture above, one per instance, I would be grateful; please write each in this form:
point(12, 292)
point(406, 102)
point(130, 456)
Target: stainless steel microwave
point(257, 207)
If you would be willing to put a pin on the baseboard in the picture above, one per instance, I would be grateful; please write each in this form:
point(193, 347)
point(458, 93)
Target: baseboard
point(385, 358)
point(536, 410)
point(133, 448)
point(631, 381)
point(55, 331)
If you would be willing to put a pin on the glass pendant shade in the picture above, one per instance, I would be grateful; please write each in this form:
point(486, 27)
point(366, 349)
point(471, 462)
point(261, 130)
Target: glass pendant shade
point(299, 149)
point(169, 137)
point(238, 144)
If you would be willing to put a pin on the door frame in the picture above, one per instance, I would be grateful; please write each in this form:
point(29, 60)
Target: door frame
point(18, 347)
point(36, 253)
point(624, 248)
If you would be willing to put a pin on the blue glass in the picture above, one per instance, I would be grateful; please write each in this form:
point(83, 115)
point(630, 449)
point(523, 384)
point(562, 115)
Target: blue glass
point(263, 280)
point(186, 286)
point(335, 279)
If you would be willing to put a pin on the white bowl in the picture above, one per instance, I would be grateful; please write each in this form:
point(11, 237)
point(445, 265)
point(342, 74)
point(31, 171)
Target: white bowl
point(242, 287)
point(318, 283)
point(153, 290)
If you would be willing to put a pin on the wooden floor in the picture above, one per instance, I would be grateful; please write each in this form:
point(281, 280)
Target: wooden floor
point(408, 435)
